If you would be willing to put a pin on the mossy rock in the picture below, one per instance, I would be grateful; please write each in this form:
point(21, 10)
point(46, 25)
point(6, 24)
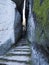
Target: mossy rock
point(41, 9)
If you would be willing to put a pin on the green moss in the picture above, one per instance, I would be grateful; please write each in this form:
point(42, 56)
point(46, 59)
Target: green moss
point(41, 12)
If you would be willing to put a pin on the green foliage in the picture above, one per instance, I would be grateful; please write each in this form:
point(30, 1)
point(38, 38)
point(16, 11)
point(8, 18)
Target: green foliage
point(42, 14)
point(41, 11)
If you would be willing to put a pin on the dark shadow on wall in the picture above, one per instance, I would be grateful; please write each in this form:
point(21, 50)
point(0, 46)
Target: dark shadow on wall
point(19, 4)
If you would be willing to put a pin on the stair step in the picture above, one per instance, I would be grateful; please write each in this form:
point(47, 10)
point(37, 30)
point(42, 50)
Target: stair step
point(12, 63)
point(24, 44)
point(16, 58)
point(23, 47)
point(25, 50)
point(19, 53)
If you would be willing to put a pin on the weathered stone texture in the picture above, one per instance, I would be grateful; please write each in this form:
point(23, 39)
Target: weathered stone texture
point(10, 25)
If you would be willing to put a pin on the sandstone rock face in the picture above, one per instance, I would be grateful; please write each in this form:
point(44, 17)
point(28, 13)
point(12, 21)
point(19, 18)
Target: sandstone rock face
point(19, 4)
point(17, 25)
point(41, 22)
point(7, 16)
point(30, 25)
point(8, 25)
point(31, 29)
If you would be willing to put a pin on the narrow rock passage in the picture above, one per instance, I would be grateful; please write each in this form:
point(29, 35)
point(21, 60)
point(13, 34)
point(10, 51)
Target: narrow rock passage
point(18, 55)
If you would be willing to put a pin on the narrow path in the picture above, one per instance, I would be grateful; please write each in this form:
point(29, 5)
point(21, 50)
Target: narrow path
point(18, 55)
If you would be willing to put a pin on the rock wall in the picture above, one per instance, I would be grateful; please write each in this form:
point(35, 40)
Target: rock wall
point(17, 26)
point(8, 25)
point(30, 24)
point(19, 4)
point(40, 41)
point(41, 11)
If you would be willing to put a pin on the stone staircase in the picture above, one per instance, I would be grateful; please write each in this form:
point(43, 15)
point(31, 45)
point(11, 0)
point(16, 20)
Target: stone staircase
point(19, 54)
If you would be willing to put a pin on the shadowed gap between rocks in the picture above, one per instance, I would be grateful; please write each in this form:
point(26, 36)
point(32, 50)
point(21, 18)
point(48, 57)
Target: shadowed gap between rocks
point(20, 7)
